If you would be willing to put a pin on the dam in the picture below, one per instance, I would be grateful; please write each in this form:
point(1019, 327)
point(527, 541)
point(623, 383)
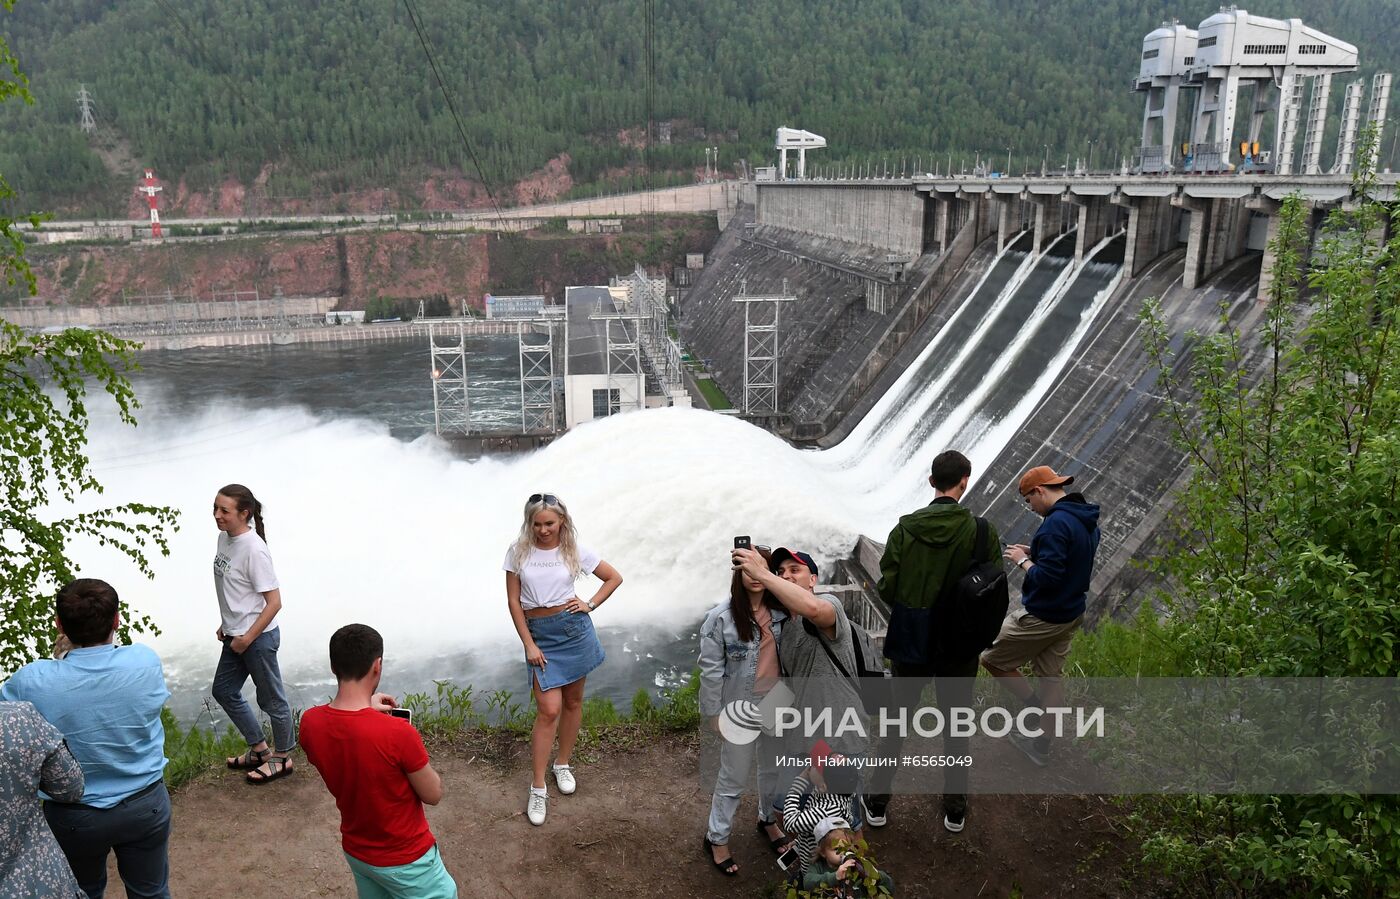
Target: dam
point(998, 314)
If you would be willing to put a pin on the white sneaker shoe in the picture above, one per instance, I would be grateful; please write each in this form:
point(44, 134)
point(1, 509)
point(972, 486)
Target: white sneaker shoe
point(535, 808)
point(564, 777)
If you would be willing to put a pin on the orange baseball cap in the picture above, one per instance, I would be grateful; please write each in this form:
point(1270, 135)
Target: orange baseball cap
point(1043, 476)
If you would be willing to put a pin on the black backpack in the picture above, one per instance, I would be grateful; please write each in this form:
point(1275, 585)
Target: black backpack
point(974, 606)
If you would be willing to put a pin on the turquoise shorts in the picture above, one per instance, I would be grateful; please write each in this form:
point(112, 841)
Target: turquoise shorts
point(425, 878)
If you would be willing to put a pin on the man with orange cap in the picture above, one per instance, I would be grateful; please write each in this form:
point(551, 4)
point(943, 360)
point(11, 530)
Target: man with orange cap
point(1057, 567)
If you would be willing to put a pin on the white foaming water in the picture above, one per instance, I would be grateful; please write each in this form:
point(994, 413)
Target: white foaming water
point(888, 422)
point(983, 433)
point(407, 538)
point(364, 527)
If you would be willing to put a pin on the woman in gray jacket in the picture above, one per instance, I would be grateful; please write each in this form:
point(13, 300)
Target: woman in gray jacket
point(739, 664)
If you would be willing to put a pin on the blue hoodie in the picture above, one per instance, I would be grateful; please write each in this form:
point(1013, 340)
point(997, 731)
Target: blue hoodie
point(1057, 585)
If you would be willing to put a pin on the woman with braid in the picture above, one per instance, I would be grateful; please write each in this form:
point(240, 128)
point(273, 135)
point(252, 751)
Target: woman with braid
point(249, 600)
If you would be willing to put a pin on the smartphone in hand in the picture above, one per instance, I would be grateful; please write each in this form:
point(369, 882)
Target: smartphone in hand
point(405, 714)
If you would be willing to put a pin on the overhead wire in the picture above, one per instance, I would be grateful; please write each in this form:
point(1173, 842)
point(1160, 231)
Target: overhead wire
point(452, 108)
point(648, 156)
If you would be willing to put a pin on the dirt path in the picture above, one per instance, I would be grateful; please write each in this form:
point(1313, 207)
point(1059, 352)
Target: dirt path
point(632, 830)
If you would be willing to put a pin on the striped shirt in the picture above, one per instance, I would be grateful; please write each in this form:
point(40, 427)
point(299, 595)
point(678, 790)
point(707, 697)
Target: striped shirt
point(805, 806)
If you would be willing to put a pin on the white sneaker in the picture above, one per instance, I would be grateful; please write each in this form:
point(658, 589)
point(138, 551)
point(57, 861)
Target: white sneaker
point(535, 808)
point(564, 777)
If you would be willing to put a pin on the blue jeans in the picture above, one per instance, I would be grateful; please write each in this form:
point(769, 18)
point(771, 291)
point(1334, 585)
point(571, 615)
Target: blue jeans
point(137, 829)
point(258, 661)
point(735, 763)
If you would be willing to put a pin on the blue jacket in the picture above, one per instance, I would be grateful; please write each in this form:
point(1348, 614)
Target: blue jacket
point(1057, 584)
point(729, 666)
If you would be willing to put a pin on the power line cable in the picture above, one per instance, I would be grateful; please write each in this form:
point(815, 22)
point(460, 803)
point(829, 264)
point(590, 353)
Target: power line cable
point(452, 108)
point(648, 158)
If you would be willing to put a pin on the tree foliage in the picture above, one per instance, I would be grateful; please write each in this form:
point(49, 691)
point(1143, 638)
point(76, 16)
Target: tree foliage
point(1289, 531)
point(339, 96)
point(44, 381)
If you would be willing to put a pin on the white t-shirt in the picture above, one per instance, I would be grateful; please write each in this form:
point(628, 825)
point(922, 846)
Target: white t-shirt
point(242, 573)
point(545, 581)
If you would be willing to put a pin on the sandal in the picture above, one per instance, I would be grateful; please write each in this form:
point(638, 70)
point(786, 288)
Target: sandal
point(780, 844)
point(728, 867)
point(280, 766)
point(253, 758)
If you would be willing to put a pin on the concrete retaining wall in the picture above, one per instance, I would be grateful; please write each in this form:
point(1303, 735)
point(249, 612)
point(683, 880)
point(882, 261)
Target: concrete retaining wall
point(712, 197)
point(156, 313)
point(888, 217)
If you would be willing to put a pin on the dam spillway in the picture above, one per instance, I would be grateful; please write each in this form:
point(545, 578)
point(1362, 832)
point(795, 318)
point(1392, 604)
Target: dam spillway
point(951, 368)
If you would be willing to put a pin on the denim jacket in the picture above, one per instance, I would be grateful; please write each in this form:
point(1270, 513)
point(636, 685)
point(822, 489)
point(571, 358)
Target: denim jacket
point(728, 666)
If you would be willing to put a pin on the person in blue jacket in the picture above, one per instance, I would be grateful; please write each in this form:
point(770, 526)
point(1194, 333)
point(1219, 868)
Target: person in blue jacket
point(1057, 567)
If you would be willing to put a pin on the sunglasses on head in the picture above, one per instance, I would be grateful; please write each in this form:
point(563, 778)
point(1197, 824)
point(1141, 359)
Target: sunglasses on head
point(549, 499)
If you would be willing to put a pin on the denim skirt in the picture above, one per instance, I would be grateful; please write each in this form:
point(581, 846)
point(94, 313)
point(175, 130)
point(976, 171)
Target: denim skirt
point(570, 647)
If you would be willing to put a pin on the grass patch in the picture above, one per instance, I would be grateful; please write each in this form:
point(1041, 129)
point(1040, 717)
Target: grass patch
point(1136, 648)
point(196, 750)
point(714, 397)
point(493, 724)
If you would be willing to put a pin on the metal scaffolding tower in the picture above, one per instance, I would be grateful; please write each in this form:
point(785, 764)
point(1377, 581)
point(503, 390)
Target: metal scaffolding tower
point(279, 305)
point(626, 375)
point(88, 124)
point(451, 402)
point(761, 349)
point(538, 411)
point(648, 302)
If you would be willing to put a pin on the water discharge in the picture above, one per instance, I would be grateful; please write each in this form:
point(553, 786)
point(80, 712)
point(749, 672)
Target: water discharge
point(368, 523)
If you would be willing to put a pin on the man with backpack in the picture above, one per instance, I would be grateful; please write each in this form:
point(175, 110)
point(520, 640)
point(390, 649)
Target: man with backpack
point(1057, 566)
point(942, 615)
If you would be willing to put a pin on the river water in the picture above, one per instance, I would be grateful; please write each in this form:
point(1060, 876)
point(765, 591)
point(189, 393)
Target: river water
point(372, 519)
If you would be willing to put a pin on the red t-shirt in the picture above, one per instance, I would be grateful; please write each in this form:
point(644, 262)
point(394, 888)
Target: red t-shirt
point(365, 758)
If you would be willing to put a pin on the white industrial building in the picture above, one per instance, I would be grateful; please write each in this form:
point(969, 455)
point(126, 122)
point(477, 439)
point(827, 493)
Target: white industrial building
point(515, 308)
point(1269, 59)
point(619, 358)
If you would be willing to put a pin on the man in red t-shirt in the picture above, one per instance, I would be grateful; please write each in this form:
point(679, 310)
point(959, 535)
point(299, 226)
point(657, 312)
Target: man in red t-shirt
point(377, 769)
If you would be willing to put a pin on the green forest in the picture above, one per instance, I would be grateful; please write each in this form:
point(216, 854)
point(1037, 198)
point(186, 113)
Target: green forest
point(340, 96)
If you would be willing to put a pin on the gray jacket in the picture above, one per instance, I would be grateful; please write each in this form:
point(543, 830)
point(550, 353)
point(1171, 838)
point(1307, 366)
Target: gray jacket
point(728, 666)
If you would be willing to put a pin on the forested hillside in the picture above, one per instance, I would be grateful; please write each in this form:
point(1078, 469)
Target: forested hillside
point(340, 96)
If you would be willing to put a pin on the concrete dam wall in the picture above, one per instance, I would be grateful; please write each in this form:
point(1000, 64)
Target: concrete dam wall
point(885, 217)
point(1071, 272)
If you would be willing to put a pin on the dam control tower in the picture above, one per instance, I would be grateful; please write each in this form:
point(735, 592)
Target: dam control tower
point(1229, 54)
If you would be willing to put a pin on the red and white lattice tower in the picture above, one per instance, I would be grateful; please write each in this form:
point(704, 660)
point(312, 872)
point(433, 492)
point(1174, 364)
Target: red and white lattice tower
point(150, 189)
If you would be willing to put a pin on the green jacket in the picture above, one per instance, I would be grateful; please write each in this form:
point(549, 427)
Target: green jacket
point(923, 546)
point(820, 874)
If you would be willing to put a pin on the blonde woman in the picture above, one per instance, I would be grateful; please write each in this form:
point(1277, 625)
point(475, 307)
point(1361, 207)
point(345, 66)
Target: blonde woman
point(556, 629)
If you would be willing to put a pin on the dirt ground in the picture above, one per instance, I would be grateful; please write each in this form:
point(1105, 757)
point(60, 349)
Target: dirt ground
point(633, 829)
